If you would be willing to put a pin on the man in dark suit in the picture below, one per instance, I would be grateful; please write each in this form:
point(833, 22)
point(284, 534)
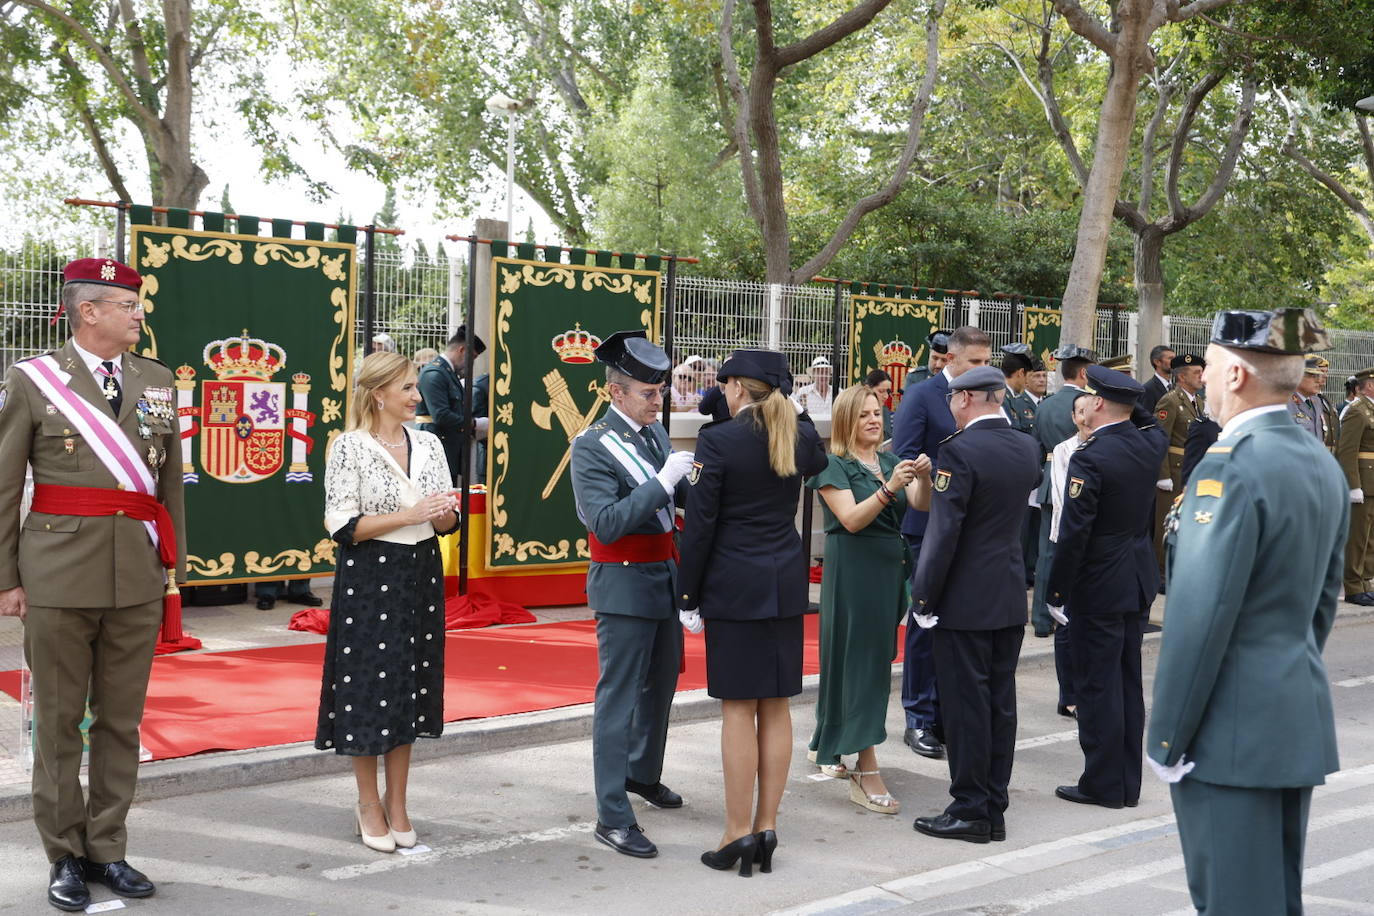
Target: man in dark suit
point(1104, 579)
point(1161, 358)
point(443, 400)
point(969, 593)
point(627, 481)
point(923, 422)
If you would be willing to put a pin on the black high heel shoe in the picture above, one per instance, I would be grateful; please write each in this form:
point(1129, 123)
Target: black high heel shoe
point(765, 841)
point(742, 850)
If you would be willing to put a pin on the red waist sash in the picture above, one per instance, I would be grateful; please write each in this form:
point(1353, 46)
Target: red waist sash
point(52, 499)
point(634, 548)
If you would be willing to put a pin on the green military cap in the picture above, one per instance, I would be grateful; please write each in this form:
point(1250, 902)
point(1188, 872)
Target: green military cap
point(1287, 332)
point(1121, 362)
point(1363, 374)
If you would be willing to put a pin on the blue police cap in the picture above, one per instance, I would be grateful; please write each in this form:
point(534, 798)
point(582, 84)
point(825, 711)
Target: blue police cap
point(767, 366)
point(1113, 385)
point(1288, 332)
point(979, 378)
point(632, 353)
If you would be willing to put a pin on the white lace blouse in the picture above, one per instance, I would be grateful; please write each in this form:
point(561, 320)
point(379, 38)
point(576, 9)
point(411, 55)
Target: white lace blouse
point(361, 478)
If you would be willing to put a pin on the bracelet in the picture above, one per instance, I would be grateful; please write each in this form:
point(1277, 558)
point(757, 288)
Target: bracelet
point(884, 497)
point(888, 493)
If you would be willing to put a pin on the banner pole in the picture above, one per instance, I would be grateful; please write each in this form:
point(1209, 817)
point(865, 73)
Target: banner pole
point(465, 468)
point(670, 297)
point(120, 254)
point(835, 331)
point(369, 289)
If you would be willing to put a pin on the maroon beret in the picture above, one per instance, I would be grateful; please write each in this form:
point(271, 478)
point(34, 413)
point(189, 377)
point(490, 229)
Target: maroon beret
point(103, 271)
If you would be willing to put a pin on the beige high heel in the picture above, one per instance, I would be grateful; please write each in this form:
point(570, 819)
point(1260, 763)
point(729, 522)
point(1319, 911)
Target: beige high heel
point(404, 839)
point(384, 843)
point(883, 804)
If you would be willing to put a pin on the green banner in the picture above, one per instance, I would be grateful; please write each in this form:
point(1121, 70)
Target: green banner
point(259, 332)
point(546, 387)
point(1040, 331)
point(890, 334)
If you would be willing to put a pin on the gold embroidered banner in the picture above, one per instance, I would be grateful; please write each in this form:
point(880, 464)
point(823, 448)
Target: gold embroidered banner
point(890, 334)
point(546, 387)
point(259, 333)
point(1040, 331)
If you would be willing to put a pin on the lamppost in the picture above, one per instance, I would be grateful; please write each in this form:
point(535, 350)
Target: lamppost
point(504, 104)
point(1366, 103)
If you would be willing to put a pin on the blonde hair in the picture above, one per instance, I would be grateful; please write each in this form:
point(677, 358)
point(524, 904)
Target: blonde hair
point(774, 413)
point(844, 418)
point(378, 370)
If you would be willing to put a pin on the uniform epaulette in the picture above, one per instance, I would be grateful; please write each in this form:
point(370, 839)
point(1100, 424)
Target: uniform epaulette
point(35, 356)
point(716, 423)
point(151, 359)
point(594, 428)
point(950, 436)
point(1085, 443)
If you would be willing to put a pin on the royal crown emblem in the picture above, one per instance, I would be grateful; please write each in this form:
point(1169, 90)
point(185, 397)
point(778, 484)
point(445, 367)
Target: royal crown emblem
point(243, 420)
point(895, 358)
point(576, 346)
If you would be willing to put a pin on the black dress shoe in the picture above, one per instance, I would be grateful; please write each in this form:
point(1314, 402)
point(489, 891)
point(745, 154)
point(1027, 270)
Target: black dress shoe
point(998, 833)
point(121, 877)
point(1043, 634)
point(948, 827)
point(1075, 794)
point(658, 795)
point(765, 841)
point(1363, 598)
point(266, 604)
point(1066, 712)
point(628, 840)
point(741, 851)
point(67, 885)
point(309, 599)
point(924, 742)
point(1132, 802)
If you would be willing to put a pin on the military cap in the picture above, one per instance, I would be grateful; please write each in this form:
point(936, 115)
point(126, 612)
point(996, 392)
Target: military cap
point(979, 378)
point(1017, 356)
point(1113, 386)
point(1184, 360)
point(1287, 332)
point(460, 334)
point(632, 353)
point(1364, 375)
point(1073, 351)
point(102, 271)
point(1121, 362)
point(1316, 365)
point(939, 341)
point(767, 366)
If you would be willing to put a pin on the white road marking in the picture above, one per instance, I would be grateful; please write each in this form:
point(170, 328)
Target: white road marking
point(461, 851)
point(1355, 681)
point(1042, 740)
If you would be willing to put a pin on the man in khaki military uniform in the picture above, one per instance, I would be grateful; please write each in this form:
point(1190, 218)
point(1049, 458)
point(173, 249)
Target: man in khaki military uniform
point(1355, 452)
point(97, 424)
point(1179, 407)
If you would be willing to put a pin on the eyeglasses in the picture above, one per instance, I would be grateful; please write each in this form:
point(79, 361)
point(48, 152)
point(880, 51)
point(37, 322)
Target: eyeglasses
point(127, 308)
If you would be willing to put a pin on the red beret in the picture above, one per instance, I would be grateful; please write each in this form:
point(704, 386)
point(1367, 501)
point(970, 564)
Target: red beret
point(102, 271)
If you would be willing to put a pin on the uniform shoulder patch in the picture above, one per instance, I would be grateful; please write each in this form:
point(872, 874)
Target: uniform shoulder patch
point(1210, 487)
point(1219, 450)
point(942, 479)
point(1075, 486)
point(695, 473)
point(1162, 414)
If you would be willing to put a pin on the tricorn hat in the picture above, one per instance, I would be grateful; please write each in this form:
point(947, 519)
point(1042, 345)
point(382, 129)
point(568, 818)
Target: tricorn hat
point(632, 353)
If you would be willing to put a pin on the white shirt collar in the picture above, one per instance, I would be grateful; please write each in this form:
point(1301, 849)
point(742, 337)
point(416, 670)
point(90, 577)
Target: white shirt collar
point(1034, 399)
point(1234, 424)
point(945, 373)
point(987, 416)
point(1072, 385)
point(628, 422)
point(1105, 425)
point(1164, 380)
point(93, 362)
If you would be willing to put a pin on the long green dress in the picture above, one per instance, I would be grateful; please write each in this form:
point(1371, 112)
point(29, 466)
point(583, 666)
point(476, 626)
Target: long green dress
point(863, 599)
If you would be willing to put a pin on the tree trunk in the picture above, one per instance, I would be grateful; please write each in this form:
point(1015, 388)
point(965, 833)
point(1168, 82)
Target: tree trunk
point(1149, 291)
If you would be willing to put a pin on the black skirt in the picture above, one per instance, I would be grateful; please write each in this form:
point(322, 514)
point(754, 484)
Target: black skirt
point(754, 659)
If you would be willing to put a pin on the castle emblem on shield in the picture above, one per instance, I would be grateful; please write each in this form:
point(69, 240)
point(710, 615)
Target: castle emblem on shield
point(243, 419)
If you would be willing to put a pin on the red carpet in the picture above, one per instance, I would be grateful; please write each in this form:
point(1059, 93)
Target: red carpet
point(220, 701)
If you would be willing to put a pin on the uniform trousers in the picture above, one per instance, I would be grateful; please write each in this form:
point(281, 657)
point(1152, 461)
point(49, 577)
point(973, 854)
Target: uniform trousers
point(1111, 703)
point(1030, 542)
point(1063, 665)
point(638, 660)
point(920, 696)
point(1359, 564)
point(1163, 503)
point(1242, 847)
point(1041, 620)
point(104, 654)
point(977, 674)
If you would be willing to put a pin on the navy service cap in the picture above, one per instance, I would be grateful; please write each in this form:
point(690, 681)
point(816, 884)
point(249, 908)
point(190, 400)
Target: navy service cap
point(980, 378)
point(632, 353)
point(1286, 332)
point(767, 366)
point(1113, 386)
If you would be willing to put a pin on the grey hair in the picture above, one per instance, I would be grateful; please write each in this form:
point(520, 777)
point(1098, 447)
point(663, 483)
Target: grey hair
point(1277, 373)
point(73, 294)
point(615, 377)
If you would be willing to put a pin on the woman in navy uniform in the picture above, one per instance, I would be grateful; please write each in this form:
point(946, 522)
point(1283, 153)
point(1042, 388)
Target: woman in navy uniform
point(744, 566)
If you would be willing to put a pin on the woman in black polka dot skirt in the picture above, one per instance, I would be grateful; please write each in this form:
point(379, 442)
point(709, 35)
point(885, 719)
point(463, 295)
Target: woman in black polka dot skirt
point(387, 495)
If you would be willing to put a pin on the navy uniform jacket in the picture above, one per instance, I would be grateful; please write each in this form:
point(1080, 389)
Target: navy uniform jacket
point(971, 573)
point(742, 558)
point(1104, 560)
point(923, 422)
point(1255, 571)
point(1201, 435)
point(617, 494)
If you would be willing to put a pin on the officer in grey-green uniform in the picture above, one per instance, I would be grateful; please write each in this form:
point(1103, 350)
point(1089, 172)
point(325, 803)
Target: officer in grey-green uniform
point(938, 344)
point(1240, 659)
point(1018, 405)
point(628, 482)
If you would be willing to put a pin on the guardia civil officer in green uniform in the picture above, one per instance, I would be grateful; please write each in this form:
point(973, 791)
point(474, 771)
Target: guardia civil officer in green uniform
point(628, 482)
point(88, 570)
point(938, 343)
point(1241, 656)
point(1018, 362)
point(1355, 452)
point(443, 399)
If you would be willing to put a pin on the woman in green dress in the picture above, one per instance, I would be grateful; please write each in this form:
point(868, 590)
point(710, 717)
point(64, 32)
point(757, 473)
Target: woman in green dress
point(864, 493)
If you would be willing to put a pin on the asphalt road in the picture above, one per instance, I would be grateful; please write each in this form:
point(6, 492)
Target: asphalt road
point(510, 832)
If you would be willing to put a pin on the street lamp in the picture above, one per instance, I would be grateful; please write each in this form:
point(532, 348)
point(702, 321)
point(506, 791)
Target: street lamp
point(504, 104)
point(1366, 103)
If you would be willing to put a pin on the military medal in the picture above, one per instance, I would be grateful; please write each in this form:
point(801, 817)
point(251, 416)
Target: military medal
point(51, 409)
point(142, 410)
point(111, 392)
point(152, 457)
point(1171, 520)
point(69, 445)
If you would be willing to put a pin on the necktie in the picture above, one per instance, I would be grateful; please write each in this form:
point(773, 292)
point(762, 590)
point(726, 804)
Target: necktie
point(652, 442)
point(110, 387)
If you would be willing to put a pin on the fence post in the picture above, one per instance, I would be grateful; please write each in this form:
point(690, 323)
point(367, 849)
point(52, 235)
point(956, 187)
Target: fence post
point(470, 445)
point(774, 316)
point(1132, 329)
point(975, 309)
point(369, 289)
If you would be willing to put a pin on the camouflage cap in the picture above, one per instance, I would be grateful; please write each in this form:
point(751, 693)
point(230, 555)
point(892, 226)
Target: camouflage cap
point(1289, 332)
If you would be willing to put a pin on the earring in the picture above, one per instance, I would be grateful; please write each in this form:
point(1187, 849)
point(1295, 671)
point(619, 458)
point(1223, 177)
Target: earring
point(381, 403)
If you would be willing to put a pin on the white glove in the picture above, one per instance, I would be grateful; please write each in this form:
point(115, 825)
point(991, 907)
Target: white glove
point(482, 423)
point(1058, 614)
point(1357, 495)
point(926, 621)
point(1173, 773)
point(691, 621)
point(1166, 485)
point(674, 469)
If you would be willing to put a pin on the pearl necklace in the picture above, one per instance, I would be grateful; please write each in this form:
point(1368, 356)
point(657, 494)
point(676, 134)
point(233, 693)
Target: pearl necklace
point(875, 468)
point(401, 444)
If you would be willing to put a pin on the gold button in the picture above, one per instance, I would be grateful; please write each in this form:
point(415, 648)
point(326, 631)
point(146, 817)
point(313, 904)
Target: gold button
point(119, 486)
point(49, 527)
point(684, 597)
point(624, 562)
point(66, 432)
point(119, 512)
point(1163, 744)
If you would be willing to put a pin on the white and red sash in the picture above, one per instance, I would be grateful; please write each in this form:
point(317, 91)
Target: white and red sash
point(102, 433)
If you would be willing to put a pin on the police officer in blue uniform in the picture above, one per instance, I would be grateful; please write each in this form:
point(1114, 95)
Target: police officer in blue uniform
point(969, 593)
point(443, 402)
point(627, 481)
point(1104, 579)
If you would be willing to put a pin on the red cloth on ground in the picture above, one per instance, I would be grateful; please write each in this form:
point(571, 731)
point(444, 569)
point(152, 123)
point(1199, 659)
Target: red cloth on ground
point(465, 612)
point(310, 620)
